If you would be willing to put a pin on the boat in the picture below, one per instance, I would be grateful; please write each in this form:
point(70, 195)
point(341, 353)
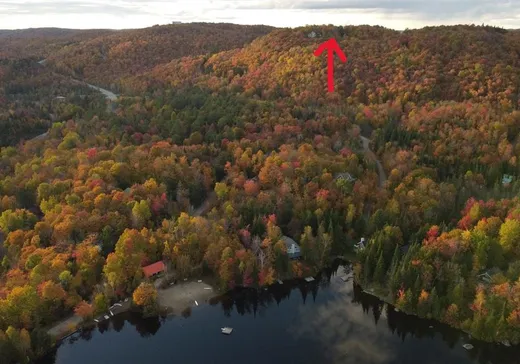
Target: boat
point(309, 279)
point(467, 346)
point(196, 302)
point(280, 281)
point(106, 317)
point(226, 330)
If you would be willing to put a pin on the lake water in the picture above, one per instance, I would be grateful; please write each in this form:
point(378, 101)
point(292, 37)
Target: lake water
point(325, 321)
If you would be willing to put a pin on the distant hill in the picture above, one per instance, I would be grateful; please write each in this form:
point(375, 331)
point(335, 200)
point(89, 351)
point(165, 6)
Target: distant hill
point(105, 59)
point(434, 63)
point(39, 43)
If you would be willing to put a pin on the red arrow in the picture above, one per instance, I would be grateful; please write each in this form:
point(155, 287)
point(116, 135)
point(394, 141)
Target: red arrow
point(331, 46)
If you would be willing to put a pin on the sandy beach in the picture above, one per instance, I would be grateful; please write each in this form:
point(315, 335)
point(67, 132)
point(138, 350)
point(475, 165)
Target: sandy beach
point(180, 296)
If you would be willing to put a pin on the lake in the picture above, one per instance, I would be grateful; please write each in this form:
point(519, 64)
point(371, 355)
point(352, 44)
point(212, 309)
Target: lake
point(325, 321)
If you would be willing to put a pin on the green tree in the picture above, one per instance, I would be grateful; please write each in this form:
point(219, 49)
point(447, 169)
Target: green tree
point(141, 214)
point(379, 274)
point(509, 233)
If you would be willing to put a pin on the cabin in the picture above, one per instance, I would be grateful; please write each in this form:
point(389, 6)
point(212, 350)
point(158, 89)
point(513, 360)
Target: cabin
point(507, 179)
point(293, 249)
point(153, 270)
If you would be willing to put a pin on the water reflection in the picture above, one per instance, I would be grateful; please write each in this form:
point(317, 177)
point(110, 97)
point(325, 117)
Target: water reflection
point(324, 321)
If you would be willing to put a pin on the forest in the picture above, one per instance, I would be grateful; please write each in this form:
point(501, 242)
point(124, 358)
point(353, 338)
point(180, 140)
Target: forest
point(212, 155)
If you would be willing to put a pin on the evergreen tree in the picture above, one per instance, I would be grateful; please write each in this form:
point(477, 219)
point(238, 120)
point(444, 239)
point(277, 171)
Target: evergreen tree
point(436, 311)
point(379, 274)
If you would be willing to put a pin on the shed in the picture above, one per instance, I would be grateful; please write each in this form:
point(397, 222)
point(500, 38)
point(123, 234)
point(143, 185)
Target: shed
point(154, 269)
point(293, 249)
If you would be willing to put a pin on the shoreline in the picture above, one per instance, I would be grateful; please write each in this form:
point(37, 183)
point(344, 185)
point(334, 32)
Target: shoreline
point(371, 292)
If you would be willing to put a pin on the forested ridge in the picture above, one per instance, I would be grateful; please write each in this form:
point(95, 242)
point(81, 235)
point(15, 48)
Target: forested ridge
point(103, 60)
point(253, 131)
point(39, 43)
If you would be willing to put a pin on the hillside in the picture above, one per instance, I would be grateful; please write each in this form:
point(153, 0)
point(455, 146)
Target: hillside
point(105, 59)
point(442, 104)
point(33, 96)
point(445, 63)
point(39, 43)
point(214, 153)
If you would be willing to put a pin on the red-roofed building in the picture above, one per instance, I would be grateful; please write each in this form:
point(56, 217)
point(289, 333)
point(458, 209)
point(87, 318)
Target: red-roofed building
point(154, 269)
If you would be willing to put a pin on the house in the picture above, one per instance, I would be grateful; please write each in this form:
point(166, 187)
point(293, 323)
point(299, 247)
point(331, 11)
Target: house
point(485, 277)
point(507, 179)
point(154, 269)
point(312, 34)
point(360, 246)
point(345, 176)
point(293, 249)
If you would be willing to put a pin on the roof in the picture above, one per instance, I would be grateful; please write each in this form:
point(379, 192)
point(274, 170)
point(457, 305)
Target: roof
point(288, 241)
point(154, 268)
point(346, 176)
point(293, 249)
point(506, 179)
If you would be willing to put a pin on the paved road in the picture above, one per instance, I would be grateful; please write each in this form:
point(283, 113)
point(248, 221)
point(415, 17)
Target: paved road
point(206, 205)
point(108, 95)
point(371, 154)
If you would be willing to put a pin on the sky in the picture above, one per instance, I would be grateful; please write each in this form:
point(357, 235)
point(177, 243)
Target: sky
point(124, 14)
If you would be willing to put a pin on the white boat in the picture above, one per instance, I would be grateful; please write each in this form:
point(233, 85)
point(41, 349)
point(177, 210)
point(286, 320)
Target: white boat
point(226, 330)
point(467, 346)
point(196, 302)
point(106, 317)
point(309, 279)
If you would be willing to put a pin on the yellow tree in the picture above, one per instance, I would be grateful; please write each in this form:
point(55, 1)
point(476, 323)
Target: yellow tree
point(145, 295)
